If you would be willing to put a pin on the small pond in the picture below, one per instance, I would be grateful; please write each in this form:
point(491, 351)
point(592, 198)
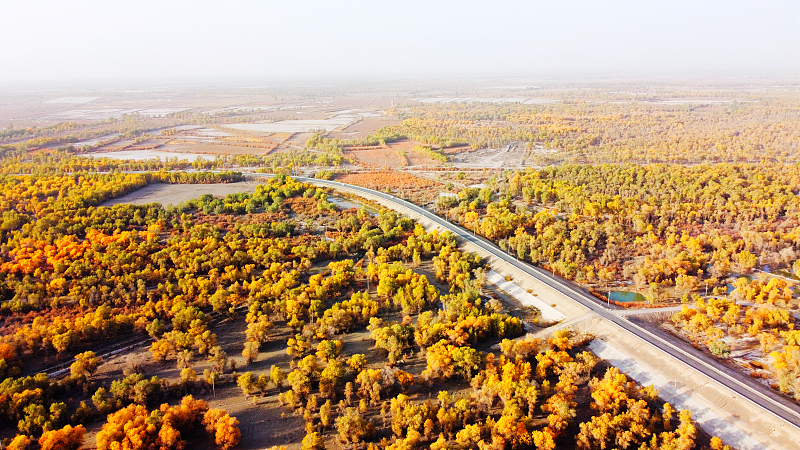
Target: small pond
point(627, 297)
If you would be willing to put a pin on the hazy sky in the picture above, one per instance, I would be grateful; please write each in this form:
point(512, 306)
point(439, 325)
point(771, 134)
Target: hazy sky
point(91, 40)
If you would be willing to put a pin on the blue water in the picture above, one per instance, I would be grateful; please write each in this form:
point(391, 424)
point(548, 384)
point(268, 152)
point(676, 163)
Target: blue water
point(626, 297)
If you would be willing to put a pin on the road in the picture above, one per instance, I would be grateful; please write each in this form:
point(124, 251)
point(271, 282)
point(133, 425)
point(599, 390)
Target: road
point(737, 382)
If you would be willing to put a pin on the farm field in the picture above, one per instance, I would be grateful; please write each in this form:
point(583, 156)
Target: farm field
point(472, 131)
point(219, 148)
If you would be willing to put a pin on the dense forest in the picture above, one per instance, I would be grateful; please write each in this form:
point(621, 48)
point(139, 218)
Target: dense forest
point(668, 232)
point(290, 266)
point(754, 319)
point(669, 225)
point(63, 161)
point(357, 328)
point(758, 126)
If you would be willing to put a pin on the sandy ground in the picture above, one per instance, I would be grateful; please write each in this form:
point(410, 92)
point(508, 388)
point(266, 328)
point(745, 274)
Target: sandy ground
point(294, 126)
point(364, 127)
point(414, 158)
point(199, 141)
point(116, 145)
point(512, 155)
point(173, 194)
point(380, 157)
point(219, 149)
point(298, 139)
point(140, 155)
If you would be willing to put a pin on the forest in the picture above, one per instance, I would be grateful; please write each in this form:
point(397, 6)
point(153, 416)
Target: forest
point(671, 233)
point(604, 128)
point(152, 326)
point(674, 226)
point(209, 286)
point(753, 319)
point(64, 161)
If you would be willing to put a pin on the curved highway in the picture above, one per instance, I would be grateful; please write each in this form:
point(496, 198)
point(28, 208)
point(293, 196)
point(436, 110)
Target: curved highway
point(732, 379)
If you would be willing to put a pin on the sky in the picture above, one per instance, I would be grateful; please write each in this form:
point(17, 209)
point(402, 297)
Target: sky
point(112, 40)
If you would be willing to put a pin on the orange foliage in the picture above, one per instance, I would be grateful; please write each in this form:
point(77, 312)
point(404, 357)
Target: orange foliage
point(32, 255)
point(224, 427)
point(134, 427)
point(423, 189)
point(67, 438)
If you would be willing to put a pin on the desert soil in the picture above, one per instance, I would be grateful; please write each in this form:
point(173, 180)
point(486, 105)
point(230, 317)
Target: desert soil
point(173, 194)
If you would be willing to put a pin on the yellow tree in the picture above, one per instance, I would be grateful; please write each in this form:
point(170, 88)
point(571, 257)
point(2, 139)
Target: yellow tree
point(67, 438)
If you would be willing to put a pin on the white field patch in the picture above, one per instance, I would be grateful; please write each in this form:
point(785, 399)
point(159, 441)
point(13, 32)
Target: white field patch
point(187, 127)
point(521, 295)
point(696, 101)
point(523, 100)
point(142, 155)
point(160, 112)
point(113, 113)
point(210, 132)
point(538, 101)
point(511, 155)
point(95, 141)
point(236, 109)
point(93, 114)
point(73, 100)
point(295, 126)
